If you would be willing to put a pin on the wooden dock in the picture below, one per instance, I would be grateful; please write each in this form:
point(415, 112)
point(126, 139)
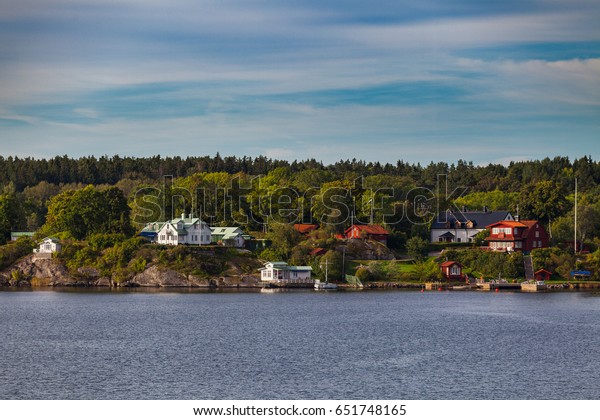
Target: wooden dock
point(499, 286)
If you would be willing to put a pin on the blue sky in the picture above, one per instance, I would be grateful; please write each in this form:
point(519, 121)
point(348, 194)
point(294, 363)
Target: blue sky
point(441, 80)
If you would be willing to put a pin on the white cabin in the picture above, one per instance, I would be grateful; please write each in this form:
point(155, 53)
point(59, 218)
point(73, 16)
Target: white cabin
point(48, 246)
point(184, 231)
point(281, 272)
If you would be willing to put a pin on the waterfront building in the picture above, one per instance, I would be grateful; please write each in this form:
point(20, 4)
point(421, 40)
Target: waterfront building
point(281, 273)
point(452, 270)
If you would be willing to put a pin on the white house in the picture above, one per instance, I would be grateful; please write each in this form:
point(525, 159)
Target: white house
point(282, 273)
point(48, 246)
point(228, 236)
point(184, 231)
point(463, 226)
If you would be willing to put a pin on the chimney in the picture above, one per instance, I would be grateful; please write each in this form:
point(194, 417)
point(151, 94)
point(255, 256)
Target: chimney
point(464, 209)
point(183, 215)
point(485, 209)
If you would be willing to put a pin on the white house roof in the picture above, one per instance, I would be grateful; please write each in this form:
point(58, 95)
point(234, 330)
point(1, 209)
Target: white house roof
point(51, 239)
point(280, 265)
point(180, 224)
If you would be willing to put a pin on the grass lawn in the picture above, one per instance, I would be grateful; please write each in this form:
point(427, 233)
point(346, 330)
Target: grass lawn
point(399, 266)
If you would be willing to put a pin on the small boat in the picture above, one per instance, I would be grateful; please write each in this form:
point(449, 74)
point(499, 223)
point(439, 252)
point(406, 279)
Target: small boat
point(319, 285)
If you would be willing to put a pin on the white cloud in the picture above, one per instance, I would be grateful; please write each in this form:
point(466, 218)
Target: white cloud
point(457, 33)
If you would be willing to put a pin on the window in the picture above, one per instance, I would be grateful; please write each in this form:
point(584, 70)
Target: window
point(162, 237)
point(440, 239)
point(455, 270)
point(516, 231)
point(518, 244)
point(458, 239)
point(495, 231)
point(537, 233)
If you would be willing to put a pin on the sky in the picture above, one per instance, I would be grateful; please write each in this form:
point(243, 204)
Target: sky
point(419, 81)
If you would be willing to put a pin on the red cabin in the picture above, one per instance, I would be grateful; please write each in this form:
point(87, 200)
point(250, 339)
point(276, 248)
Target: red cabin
point(452, 270)
point(542, 274)
point(372, 232)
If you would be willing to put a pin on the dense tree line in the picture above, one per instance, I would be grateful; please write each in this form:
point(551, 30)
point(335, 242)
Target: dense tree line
point(28, 172)
point(84, 196)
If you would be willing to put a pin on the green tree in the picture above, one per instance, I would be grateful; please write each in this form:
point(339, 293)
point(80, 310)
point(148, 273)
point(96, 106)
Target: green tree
point(545, 201)
point(428, 270)
point(87, 211)
point(417, 247)
point(479, 239)
point(283, 238)
point(11, 215)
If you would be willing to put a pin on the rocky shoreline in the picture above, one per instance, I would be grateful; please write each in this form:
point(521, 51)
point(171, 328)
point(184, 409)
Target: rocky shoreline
point(32, 272)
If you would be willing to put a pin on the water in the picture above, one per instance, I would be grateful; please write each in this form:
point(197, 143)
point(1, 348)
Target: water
point(299, 345)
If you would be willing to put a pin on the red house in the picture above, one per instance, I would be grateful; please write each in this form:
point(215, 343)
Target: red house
point(305, 228)
point(373, 232)
point(523, 235)
point(452, 270)
point(317, 251)
point(542, 274)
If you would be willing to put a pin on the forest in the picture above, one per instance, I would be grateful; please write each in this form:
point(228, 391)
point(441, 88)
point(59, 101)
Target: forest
point(105, 201)
point(256, 192)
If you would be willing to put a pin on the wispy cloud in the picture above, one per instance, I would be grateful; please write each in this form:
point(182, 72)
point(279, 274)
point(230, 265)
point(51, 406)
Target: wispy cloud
point(416, 80)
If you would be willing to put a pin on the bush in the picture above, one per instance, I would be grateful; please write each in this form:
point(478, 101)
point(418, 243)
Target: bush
point(11, 252)
point(417, 247)
point(105, 240)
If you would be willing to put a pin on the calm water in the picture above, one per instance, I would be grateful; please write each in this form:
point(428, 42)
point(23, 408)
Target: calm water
point(299, 345)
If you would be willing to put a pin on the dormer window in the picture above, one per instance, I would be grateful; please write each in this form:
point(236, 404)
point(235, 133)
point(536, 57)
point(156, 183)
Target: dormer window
point(457, 224)
point(470, 224)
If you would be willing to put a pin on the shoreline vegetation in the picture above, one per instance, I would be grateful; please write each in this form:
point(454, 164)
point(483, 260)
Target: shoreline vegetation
point(96, 208)
point(123, 264)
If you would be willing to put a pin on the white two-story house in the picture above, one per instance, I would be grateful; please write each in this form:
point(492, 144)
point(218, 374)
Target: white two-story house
point(184, 231)
point(463, 226)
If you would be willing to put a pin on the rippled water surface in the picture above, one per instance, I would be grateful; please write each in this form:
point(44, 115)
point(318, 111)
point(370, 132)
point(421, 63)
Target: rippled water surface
point(299, 345)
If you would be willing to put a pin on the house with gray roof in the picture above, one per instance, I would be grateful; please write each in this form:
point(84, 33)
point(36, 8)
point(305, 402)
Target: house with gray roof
point(463, 226)
point(228, 236)
point(184, 231)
